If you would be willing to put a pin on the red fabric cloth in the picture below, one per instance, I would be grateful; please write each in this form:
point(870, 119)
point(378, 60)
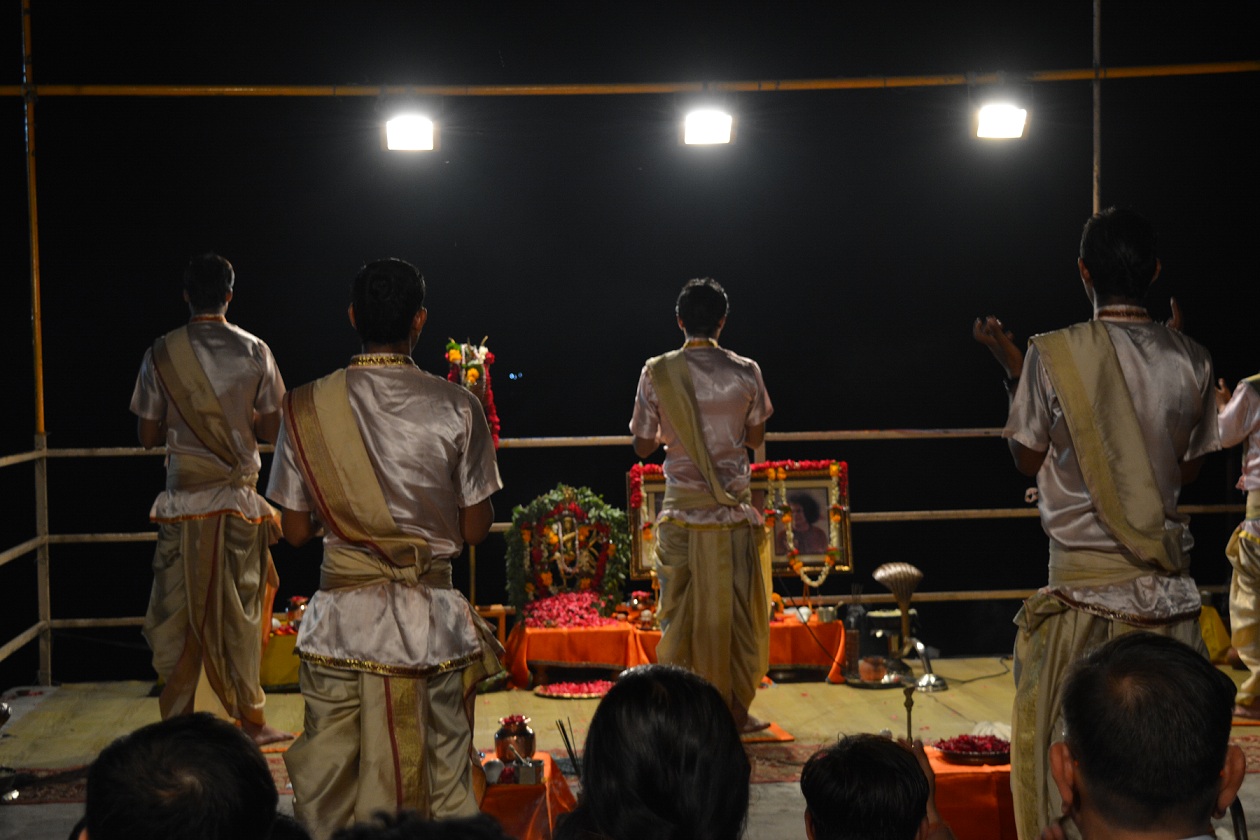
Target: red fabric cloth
point(975, 801)
point(529, 812)
point(619, 646)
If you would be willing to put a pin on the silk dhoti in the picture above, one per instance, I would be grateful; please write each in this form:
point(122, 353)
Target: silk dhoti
point(1050, 638)
point(715, 618)
point(375, 743)
point(1243, 552)
point(207, 609)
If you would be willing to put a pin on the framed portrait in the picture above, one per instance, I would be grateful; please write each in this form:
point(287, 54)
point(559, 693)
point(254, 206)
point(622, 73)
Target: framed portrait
point(814, 495)
point(811, 518)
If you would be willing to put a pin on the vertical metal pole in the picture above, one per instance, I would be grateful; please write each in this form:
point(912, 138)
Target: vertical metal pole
point(37, 339)
point(1097, 105)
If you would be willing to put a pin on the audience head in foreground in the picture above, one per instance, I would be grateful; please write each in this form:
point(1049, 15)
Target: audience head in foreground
point(409, 825)
point(1147, 752)
point(192, 776)
point(869, 787)
point(663, 760)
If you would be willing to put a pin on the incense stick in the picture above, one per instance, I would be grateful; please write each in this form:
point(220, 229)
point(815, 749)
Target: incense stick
point(568, 747)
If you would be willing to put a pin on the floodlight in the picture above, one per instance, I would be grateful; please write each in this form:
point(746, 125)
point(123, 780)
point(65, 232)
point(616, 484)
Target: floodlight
point(410, 133)
point(1001, 121)
point(707, 127)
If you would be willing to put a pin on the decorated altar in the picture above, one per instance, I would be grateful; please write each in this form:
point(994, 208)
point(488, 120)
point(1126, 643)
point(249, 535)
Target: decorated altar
point(794, 645)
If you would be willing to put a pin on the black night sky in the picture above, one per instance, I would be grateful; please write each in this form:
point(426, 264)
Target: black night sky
point(858, 234)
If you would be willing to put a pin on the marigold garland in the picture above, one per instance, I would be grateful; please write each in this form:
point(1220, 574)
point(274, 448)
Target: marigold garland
point(567, 541)
point(469, 363)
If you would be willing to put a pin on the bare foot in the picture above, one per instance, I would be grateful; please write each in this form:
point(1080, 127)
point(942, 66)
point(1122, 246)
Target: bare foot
point(264, 734)
point(753, 724)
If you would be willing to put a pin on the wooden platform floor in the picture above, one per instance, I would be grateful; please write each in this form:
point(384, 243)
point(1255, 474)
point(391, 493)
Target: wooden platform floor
point(71, 723)
point(68, 725)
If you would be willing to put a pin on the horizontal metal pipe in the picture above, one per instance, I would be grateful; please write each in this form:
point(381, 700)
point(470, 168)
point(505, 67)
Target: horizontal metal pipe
point(21, 458)
point(21, 549)
point(78, 539)
point(27, 636)
point(553, 442)
point(883, 434)
point(70, 623)
point(641, 88)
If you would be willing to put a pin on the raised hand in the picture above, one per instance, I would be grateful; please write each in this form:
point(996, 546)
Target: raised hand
point(1223, 393)
point(1174, 323)
point(990, 332)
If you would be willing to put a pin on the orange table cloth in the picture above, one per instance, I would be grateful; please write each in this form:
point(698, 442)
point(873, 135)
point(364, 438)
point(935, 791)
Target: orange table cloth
point(529, 812)
point(975, 801)
point(621, 645)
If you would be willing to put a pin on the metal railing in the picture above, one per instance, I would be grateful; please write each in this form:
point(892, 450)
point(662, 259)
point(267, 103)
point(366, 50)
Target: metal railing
point(42, 629)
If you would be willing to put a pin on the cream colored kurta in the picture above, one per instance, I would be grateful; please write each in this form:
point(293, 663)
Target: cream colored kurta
point(1102, 585)
point(385, 650)
point(212, 568)
point(245, 379)
point(711, 558)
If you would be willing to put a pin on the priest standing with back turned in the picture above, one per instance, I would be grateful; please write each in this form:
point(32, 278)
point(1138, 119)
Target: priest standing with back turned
point(708, 406)
point(1112, 416)
point(210, 391)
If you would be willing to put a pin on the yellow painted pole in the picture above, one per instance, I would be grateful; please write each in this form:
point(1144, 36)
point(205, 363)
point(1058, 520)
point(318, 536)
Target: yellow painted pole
point(642, 88)
point(1097, 182)
point(43, 583)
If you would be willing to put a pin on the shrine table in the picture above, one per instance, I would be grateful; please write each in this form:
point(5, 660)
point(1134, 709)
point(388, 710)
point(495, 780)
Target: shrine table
point(974, 800)
point(618, 646)
point(529, 812)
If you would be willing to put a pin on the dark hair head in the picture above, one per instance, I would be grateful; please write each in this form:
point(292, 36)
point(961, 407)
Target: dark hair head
point(702, 304)
point(408, 825)
point(1148, 724)
point(663, 760)
point(386, 296)
point(192, 776)
point(207, 279)
point(1118, 249)
point(285, 827)
point(809, 506)
point(864, 787)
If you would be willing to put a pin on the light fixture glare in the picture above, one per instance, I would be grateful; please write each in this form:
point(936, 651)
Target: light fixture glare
point(409, 133)
point(707, 127)
point(1001, 121)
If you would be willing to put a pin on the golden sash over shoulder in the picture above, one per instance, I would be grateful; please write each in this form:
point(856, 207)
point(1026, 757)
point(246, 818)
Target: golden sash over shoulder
point(672, 380)
point(347, 494)
point(1085, 372)
point(193, 394)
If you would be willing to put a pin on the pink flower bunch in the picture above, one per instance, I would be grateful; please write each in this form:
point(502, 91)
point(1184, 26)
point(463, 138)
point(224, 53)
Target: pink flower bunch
point(514, 720)
point(980, 744)
point(568, 609)
point(568, 689)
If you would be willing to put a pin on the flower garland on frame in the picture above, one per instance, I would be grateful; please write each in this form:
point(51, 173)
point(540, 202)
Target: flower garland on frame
point(568, 540)
point(470, 363)
point(777, 507)
point(637, 472)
